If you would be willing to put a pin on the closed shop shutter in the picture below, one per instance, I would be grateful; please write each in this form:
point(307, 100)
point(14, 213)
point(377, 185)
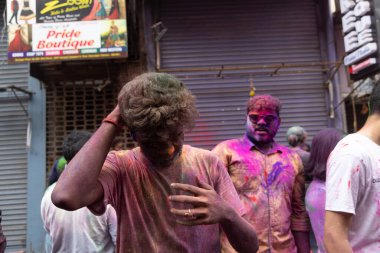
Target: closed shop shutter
point(244, 33)
point(13, 151)
point(79, 105)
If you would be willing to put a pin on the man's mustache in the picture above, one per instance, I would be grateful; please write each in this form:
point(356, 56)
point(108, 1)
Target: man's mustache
point(261, 129)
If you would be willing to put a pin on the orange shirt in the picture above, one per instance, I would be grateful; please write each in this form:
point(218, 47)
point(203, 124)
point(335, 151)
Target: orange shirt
point(140, 193)
point(271, 187)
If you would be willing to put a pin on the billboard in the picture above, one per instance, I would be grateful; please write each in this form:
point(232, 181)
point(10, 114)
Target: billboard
point(360, 24)
point(57, 30)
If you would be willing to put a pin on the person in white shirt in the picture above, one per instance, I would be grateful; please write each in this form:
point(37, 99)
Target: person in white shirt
point(80, 230)
point(352, 222)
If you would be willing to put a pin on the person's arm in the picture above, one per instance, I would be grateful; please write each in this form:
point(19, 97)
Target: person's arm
point(300, 220)
point(78, 185)
point(336, 232)
point(210, 208)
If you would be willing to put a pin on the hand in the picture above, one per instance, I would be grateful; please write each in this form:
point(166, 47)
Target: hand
point(209, 207)
point(115, 116)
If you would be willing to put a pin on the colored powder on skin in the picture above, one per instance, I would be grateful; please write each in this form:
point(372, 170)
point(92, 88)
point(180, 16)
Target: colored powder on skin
point(349, 184)
point(171, 150)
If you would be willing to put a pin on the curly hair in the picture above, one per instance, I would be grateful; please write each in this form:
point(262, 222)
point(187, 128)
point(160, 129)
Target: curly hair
point(264, 102)
point(157, 101)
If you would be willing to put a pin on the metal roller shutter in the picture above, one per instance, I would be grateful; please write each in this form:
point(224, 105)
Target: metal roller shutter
point(13, 151)
point(244, 33)
point(77, 105)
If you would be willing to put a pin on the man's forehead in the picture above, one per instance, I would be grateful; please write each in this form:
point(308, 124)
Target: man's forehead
point(262, 111)
point(163, 134)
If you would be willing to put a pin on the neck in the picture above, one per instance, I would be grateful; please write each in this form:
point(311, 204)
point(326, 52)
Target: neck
point(371, 128)
point(264, 147)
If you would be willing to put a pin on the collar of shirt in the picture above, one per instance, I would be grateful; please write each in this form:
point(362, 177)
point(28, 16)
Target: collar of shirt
point(276, 148)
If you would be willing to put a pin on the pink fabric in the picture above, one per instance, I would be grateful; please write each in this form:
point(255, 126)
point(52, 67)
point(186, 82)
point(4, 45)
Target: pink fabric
point(140, 197)
point(271, 188)
point(315, 206)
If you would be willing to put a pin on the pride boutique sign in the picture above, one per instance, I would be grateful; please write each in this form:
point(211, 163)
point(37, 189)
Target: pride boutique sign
point(359, 23)
point(66, 30)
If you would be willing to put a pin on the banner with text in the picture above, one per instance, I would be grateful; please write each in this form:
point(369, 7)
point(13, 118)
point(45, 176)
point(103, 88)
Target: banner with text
point(66, 30)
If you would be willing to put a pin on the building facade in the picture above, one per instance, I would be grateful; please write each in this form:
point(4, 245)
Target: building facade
point(221, 50)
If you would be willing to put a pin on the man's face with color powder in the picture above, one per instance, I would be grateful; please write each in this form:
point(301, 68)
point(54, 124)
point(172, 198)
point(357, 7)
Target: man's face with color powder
point(163, 147)
point(262, 125)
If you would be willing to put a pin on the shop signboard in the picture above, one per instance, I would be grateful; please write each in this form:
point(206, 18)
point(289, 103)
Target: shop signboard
point(360, 23)
point(58, 30)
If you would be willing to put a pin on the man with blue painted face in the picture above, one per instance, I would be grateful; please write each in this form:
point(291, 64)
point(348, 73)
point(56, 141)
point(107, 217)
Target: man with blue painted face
point(169, 197)
point(269, 180)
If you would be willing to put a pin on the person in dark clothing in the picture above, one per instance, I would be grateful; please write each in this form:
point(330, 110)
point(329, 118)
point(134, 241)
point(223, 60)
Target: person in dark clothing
point(14, 7)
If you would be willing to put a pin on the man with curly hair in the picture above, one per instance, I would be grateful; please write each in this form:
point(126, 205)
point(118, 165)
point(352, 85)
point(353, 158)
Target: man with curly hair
point(269, 180)
point(169, 197)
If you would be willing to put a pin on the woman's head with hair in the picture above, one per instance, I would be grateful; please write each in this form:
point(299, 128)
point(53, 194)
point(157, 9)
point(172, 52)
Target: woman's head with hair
point(323, 143)
point(157, 108)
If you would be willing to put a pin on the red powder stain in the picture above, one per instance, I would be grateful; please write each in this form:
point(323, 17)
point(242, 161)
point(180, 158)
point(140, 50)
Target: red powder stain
point(246, 179)
point(349, 184)
point(253, 198)
point(356, 169)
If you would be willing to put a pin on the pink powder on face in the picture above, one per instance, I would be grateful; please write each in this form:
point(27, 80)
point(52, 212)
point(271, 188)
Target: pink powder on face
point(349, 184)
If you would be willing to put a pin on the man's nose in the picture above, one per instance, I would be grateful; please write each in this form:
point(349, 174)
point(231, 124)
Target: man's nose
point(261, 121)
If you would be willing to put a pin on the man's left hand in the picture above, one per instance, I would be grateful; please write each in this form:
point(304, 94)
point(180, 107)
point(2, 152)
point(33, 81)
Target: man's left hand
point(208, 206)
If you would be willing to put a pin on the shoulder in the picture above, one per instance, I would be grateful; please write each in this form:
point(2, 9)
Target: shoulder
point(115, 157)
point(352, 145)
point(198, 152)
point(232, 145)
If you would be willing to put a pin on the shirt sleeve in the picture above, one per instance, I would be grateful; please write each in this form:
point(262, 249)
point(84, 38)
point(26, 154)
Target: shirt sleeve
point(108, 178)
point(46, 203)
point(299, 217)
point(343, 183)
point(112, 223)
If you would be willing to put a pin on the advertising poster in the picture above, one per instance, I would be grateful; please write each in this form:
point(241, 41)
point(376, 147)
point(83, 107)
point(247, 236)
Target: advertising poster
point(57, 30)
